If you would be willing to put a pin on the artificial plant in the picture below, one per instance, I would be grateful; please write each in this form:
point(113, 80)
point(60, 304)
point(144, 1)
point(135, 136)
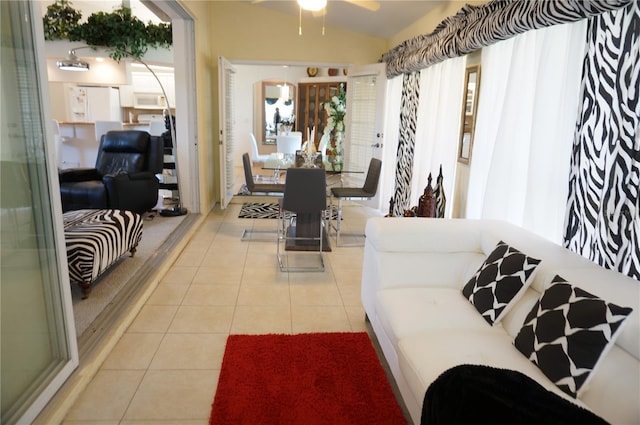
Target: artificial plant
point(119, 32)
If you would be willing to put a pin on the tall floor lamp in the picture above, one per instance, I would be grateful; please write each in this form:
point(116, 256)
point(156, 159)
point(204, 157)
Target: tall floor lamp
point(73, 63)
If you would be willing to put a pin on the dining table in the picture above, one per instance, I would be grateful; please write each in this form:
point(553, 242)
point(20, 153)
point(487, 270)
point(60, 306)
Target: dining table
point(307, 225)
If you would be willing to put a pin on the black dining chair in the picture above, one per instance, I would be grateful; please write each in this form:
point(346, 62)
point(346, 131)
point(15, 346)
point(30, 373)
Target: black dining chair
point(258, 188)
point(367, 191)
point(302, 226)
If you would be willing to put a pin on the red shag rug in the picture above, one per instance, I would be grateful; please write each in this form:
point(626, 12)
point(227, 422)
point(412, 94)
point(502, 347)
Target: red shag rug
point(321, 378)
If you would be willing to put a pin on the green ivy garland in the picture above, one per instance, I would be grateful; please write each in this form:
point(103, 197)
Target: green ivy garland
point(119, 31)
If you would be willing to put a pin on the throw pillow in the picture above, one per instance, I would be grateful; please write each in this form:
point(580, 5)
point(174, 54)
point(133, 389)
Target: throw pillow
point(567, 332)
point(500, 281)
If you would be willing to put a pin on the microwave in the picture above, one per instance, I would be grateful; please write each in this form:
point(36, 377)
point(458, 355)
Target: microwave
point(149, 101)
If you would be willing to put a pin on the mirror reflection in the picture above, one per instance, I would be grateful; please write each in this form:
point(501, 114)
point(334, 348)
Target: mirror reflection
point(278, 111)
point(469, 109)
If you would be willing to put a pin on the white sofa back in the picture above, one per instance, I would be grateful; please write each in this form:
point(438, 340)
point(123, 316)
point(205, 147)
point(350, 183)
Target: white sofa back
point(436, 252)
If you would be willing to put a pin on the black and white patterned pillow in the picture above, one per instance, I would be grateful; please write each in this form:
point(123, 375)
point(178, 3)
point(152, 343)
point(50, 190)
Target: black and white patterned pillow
point(567, 332)
point(500, 281)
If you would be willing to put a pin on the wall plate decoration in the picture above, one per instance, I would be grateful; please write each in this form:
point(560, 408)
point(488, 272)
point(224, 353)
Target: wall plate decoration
point(312, 72)
point(333, 72)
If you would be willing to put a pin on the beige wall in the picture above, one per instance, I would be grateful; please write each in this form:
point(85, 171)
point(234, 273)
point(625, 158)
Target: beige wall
point(205, 65)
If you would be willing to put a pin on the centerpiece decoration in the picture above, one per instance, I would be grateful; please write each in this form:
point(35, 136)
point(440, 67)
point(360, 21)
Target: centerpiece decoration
point(336, 108)
point(287, 123)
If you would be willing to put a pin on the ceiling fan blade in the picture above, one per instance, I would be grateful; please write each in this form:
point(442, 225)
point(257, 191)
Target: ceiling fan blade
point(366, 4)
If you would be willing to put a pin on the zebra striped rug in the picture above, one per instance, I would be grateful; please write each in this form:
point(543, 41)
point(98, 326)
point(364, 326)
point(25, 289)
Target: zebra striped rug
point(267, 210)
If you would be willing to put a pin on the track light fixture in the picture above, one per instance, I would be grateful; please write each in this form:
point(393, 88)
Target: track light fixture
point(72, 63)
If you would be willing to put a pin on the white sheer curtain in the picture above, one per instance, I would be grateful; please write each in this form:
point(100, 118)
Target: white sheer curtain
point(438, 127)
point(527, 111)
point(387, 183)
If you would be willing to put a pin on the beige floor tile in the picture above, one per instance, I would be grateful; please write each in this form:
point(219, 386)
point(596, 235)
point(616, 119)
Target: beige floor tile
point(274, 294)
point(356, 316)
point(168, 294)
point(261, 320)
point(347, 276)
point(218, 275)
point(190, 351)
point(153, 318)
point(207, 319)
point(190, 259)
point(231, 258)
point(319, 319)
point(174, 394)
point(198, 245)
point(180, 274)
point(350, 294)
point(306, 294)
point(211, 295)
point(133, 351)
point(310, 278)
point(114, 422)
point(264, 275)
point(107, 395)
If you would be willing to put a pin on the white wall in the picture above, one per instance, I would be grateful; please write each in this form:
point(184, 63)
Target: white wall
point(245, 78)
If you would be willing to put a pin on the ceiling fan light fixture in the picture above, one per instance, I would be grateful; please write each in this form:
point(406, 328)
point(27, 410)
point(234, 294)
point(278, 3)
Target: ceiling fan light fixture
point(312, 5)
point(72, 63)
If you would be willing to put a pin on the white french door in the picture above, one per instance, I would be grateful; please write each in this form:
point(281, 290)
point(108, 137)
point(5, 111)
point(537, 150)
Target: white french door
point(226, 73)
point(366, 91)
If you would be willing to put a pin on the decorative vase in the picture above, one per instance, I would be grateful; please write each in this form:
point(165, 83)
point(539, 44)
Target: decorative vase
point(427, 202)
point(338, 151)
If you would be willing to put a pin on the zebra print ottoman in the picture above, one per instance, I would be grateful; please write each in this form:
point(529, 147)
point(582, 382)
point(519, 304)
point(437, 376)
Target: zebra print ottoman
point(96, 239)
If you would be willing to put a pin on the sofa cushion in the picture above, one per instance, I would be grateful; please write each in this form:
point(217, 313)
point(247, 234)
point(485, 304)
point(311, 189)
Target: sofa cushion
point(500, 281)
point(406, 311)
point(567, 332)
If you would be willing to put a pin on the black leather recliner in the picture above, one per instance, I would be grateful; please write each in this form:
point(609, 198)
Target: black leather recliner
point(124, 176)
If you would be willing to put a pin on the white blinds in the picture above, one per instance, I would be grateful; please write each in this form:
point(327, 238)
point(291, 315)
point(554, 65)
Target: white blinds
point(228, 128)
point(362, 91)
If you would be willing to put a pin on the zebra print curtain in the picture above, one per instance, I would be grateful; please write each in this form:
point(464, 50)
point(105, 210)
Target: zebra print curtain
point(406, 143)
point(476, 26)
point(603, 211)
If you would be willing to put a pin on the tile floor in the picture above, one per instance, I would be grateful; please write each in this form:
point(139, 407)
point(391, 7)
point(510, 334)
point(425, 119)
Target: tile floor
point(165, 368)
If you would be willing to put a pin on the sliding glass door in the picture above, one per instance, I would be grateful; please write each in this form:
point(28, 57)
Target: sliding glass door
point(37, 336)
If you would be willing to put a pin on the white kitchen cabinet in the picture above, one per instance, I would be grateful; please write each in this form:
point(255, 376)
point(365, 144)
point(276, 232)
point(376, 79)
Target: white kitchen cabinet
point(126, 96)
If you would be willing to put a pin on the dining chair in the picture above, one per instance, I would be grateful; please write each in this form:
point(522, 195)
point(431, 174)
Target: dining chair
point(288, 143)
point(302, 225)
point(256, 157)
point(367, 191)
point(257, 188)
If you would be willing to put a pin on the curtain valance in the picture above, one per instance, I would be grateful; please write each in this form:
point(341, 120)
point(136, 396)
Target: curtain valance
point(476, 26)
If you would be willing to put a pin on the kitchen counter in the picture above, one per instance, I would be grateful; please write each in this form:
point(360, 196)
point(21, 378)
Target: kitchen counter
point(79, 145)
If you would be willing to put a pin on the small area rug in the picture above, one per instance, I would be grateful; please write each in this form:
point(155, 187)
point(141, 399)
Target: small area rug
point(317, 378)
point(265, 210)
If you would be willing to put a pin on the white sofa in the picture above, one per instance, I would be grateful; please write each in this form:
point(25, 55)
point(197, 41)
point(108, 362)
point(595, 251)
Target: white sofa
point(413, 272)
